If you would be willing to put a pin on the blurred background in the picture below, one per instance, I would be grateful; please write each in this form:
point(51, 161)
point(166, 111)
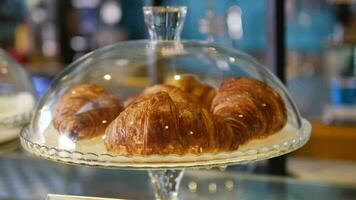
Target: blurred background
point(45, 36)
point(320, 70)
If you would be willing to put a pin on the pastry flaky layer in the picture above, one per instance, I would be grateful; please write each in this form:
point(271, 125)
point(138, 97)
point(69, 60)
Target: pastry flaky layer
point(165, 119)
point(85, 110)
point(201, 93)
point(250, 107)
point(157, 124)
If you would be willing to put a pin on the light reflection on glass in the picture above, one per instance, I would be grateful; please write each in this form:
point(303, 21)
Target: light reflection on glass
point(107, 77)
point(212, 187)
point(212, 49)
point(222, 167)
point(122, 62)
point(222, 65)
point(66, 143)
point(192, 186)
point(177, 77)
point(64, 78)
point(232, 59)
point(229, 185)
point(45, 118)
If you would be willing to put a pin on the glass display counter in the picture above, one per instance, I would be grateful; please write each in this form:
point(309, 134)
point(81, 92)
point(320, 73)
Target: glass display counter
point(23, 177)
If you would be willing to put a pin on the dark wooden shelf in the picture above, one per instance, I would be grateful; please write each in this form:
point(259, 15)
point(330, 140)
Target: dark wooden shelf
point(330, 142)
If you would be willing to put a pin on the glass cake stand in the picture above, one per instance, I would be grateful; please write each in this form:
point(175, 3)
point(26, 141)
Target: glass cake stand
point(166, 172)
point(127, 68)
point(17, 98)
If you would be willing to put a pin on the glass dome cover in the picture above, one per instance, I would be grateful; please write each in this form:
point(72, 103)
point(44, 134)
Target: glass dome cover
point(124, 70)
point(17, 96)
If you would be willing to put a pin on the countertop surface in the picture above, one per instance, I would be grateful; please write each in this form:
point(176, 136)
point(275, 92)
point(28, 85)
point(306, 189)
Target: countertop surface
point(26, 177)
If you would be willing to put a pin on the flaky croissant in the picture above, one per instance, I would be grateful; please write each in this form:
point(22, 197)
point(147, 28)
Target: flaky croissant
point(85, 111)
point(161, 123)
point(202, 93)
point(174, 92)
point(252, 108)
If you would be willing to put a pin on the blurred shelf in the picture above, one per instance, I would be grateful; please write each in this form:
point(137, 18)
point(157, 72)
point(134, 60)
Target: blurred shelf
point(330, 142)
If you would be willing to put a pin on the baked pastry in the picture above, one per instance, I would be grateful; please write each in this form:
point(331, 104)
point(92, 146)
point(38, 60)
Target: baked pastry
point(202, 93)
point(162, 123)
point(166, 120)
point(85, 111)
point(252, 108)
point(174, 92)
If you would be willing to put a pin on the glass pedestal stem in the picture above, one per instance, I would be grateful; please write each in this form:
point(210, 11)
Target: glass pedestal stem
point(166, 183)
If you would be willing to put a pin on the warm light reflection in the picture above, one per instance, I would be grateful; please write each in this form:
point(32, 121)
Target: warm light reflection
point(104, 121)
point(212, 187)
point(229, 185)
point(192, 186)
point(64, 78)
point(177, 77)
point(107, 77)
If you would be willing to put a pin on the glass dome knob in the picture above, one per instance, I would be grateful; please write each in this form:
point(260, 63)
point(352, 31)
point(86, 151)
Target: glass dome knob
point(164, 23)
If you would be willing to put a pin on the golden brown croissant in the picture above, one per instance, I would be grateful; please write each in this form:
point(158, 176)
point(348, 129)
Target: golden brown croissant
point(174, 92)
point(203, 93)
point(85, 111)
point(156, 123)
point(252, 108)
